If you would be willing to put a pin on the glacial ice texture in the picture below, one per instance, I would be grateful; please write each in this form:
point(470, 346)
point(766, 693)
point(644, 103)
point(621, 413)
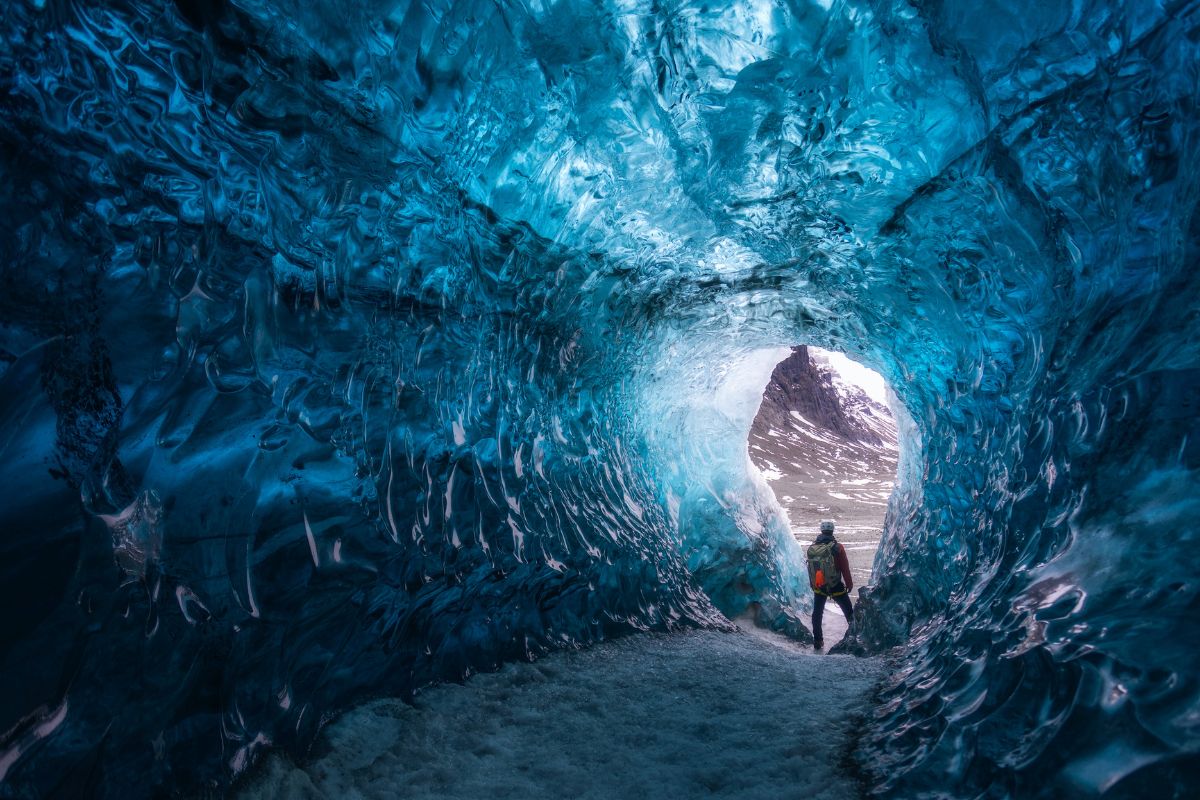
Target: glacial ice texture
point(346, 347)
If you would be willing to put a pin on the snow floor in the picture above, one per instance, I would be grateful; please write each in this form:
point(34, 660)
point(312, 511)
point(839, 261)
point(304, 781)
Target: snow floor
point(671, 716)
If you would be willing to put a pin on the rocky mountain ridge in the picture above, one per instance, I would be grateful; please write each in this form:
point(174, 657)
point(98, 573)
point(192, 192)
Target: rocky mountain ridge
point(804, 383)
point(828, 450)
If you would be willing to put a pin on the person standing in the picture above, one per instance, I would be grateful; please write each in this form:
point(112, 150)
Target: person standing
point(829, 576)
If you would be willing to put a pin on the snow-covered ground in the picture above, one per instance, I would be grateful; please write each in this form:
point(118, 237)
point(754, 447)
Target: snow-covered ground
point(696, 714)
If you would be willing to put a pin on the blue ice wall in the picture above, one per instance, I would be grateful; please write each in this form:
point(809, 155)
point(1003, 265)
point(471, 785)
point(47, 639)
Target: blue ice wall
point(347, 347)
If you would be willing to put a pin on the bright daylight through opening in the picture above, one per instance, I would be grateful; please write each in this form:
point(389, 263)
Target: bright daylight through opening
point(826, 441)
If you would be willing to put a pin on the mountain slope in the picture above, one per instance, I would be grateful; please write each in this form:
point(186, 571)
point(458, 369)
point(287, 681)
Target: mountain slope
point(829, 451)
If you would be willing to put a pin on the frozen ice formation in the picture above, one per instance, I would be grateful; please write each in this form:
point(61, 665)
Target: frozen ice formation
point(347, 347)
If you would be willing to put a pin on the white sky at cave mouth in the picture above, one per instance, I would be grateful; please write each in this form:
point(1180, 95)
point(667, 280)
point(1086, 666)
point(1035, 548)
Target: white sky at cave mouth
point(866, 379)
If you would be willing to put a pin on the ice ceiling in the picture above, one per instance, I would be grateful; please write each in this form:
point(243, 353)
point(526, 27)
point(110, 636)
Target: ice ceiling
point(347, 347)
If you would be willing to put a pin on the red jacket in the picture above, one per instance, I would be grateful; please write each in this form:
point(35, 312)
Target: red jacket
point(843, 565)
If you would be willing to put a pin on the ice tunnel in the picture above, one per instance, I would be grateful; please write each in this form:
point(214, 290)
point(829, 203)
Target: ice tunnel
point(347, 347)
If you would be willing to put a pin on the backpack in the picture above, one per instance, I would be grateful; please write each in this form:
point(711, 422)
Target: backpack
point(823, 574)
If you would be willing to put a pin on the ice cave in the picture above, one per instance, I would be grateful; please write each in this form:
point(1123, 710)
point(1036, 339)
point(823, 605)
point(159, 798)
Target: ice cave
point(353, 348)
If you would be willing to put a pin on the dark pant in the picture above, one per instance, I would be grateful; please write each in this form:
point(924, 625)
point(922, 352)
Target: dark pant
point(843, 601)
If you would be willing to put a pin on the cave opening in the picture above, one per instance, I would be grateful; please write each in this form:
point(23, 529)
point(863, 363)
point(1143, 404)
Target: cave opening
point(825, 440)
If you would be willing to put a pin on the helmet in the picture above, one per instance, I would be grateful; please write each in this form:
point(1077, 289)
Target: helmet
point(826, 526)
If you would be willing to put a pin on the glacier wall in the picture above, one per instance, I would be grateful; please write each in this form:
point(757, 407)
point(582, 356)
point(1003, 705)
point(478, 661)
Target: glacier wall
point(351, 346)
